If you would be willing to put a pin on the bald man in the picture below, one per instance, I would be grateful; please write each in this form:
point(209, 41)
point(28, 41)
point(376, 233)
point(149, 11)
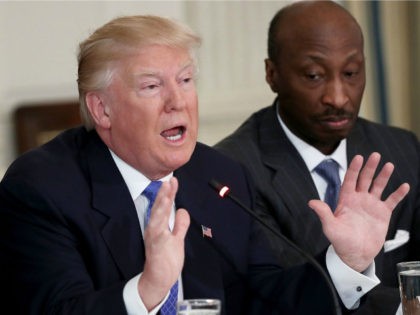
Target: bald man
point(316, 66)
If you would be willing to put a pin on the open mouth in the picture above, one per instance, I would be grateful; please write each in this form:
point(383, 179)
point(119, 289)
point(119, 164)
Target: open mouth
point(173, 134)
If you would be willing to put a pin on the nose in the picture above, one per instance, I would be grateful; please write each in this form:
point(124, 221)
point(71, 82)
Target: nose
point(175, 98)
point(335, 93)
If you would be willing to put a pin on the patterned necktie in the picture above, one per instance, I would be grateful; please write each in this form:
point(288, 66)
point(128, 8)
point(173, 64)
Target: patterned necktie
point(169, 307)
point(328, 169)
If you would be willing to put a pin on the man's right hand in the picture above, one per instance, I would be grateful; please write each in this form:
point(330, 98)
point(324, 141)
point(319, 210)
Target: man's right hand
point(164, 248)
point(358, 227)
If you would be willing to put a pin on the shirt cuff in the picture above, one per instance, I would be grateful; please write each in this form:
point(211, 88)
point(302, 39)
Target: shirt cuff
point(133, 303)
point(350, 284)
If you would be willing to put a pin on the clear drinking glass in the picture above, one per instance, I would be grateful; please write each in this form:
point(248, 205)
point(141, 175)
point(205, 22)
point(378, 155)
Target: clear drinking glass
point(409, 281)
point(199, 307)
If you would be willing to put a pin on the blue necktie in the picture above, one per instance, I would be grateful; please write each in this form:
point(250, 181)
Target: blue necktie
point(169, 307)
point(328, 169)
point(150, 192)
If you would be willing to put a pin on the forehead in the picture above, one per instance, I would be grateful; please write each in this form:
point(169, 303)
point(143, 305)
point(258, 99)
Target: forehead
point(326, 41)
point(156, 59)
point(323, 46)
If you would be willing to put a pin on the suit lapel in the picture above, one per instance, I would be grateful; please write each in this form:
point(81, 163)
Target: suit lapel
point(292, 182)
point(201, 274)
point(290, 174)
point(357, 144)
point(114, 209)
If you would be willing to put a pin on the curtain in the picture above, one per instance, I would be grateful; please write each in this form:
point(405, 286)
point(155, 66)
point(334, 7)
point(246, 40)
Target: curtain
point(391, 30)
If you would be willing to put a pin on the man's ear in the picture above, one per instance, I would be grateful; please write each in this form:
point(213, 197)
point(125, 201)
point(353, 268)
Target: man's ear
point(98, 109)
point(271, 75)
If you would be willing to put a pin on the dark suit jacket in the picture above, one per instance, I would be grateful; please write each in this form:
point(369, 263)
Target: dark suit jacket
point(284, 187)
point(70, 237)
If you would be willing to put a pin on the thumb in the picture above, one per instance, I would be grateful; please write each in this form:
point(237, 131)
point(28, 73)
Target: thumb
point(182, 222)
point(322, 210)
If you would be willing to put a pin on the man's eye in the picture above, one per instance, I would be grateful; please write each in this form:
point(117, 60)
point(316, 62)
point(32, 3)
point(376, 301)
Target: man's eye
point(350, 74)
point(151, 86)
point(313, 76)
point(186, 79)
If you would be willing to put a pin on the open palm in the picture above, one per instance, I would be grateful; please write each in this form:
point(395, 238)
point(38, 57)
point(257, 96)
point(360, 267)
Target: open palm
point(358, 227)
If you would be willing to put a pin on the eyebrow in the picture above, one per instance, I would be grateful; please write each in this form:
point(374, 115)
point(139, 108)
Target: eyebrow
point(316, 56)
point(152, 73)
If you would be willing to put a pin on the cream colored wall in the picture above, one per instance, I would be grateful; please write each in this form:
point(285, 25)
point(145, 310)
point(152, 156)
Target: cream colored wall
point(232, 76)
point(38, 44)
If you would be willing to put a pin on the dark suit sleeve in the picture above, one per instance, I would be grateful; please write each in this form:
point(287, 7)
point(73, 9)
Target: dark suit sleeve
point(297, 290)
point(42, 267)
point(277, 290)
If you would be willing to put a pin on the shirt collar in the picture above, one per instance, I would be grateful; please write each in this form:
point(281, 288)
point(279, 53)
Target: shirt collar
point(135, 181)
point(310, 154)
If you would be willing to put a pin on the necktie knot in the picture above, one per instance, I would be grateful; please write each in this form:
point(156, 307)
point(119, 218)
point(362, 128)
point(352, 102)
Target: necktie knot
point(151, 190)
point(328, 169)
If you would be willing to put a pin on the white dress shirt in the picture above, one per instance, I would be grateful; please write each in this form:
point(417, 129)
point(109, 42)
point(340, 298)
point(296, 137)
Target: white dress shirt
point(312, 157)
point(350, 284)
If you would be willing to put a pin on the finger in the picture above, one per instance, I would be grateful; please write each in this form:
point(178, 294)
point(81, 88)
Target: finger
point(368, 171)
point(182, 222)
point(382, 179)
point(352, 174)
point(395, 198)
point(173, 183)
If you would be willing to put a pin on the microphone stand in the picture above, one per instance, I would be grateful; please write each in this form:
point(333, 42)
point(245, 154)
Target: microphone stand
point(224, 191)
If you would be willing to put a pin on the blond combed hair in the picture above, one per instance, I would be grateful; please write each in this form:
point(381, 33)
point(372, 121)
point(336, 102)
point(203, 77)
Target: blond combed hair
point(113, 41)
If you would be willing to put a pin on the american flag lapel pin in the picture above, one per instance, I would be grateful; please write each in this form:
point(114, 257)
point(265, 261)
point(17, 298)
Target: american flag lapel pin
point(206, 231)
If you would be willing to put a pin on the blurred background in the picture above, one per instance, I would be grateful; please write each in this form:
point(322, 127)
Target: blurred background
point(39, 41)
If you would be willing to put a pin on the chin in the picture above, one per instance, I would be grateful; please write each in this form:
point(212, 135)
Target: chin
point(176, 161)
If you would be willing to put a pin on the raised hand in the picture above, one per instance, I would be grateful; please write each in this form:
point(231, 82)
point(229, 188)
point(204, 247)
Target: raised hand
point(358, 227)
point(164, 249)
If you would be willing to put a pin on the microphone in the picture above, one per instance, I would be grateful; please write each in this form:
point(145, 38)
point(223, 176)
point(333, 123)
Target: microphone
point(224, 191)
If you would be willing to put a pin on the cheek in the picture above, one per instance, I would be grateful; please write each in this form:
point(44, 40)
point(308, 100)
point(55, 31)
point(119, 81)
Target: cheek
point(303, 102)
point(358, 95)
point(132, 122)
point(294, 90)
point(193, 110)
